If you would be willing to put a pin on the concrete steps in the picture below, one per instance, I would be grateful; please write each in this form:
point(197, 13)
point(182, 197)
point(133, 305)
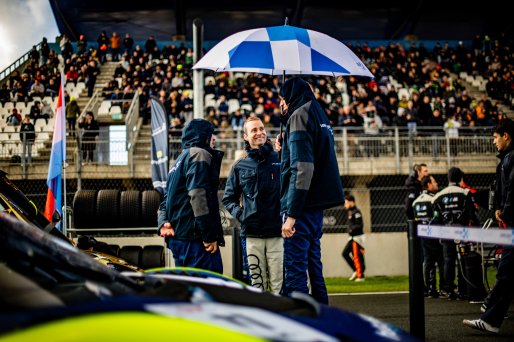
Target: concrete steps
point(105, 75)
point(143, 148)
point(474, 92)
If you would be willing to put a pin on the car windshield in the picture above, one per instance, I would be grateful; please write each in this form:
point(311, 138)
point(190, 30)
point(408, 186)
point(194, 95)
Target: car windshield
point(19, 202)
point(44, 263)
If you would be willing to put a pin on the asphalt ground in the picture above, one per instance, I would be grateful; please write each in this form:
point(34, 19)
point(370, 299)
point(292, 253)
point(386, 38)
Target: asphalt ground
point(443, 317)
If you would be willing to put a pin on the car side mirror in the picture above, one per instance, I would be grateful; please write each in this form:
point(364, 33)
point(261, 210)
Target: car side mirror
point(56, 217)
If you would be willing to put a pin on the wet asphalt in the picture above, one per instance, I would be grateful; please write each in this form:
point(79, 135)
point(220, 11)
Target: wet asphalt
point(443, 317)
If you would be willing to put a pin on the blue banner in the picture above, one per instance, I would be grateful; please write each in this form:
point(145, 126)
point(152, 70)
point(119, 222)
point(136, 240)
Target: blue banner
point(159, 145)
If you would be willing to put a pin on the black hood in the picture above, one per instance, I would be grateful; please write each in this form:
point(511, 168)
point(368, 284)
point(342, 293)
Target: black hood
point(197, 133)
point(296, 92)
point(412, 181)
point(260, 153)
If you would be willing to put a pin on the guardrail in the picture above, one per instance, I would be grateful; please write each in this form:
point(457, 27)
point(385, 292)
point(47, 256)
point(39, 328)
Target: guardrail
point(392, 148)
point(16, 64)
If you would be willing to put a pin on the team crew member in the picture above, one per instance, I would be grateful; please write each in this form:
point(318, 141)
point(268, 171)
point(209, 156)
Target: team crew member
point(309, 183)
point(413, 184)
point(188, 216)
point(455, 207)
point(252, 196)
point(432, 248)
point(501, 295)
point(353, 252)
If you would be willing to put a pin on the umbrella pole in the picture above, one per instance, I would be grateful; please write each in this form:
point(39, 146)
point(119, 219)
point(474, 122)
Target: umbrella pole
point(280, 134)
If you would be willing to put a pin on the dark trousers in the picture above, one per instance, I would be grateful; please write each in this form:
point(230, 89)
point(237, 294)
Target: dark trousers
point(193, 254)
point(90, 84)
point(88, 150)
point(71, 125)
point(450, 256)
point(432, 255)
point(353, 253)
point(302, 255)
point(501, 295)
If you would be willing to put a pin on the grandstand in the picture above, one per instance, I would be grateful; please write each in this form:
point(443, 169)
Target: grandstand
point(381, 126)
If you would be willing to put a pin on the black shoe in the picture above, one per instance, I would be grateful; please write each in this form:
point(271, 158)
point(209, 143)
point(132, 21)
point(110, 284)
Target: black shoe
point(433, 294)
point(450, 295)
point(453, 296)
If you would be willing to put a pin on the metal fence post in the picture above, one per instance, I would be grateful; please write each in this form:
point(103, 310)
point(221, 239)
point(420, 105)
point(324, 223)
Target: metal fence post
point(346, 162)
point(397, 149)
point(78, 160)
point(410, 148)
point(237, 255)
point(416, 286)
point(448, 151)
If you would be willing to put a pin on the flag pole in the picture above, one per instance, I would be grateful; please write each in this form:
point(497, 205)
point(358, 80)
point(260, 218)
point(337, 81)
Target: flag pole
point(64, 164)
point(64, 216)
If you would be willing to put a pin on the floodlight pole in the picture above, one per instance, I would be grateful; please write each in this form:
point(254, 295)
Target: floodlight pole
point(198, 92)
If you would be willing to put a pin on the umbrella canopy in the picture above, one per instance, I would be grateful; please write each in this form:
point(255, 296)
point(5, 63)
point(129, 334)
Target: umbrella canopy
point(282, 50)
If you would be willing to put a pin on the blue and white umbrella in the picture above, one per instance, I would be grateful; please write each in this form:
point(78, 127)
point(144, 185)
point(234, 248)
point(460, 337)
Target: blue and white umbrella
point(283, 50)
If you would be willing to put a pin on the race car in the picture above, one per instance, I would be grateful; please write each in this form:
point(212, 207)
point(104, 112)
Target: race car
point(15, 203)
point(50, 290)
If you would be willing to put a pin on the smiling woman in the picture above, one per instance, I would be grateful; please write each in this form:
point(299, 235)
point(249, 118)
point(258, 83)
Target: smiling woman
point(24, 24)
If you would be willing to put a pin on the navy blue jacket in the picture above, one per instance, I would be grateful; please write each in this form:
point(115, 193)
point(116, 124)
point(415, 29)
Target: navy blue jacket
point(310, 177)
point(190, 201)
point(254, 182)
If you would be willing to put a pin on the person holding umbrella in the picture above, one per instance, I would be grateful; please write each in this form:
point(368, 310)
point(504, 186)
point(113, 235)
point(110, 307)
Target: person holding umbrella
point(310, 182)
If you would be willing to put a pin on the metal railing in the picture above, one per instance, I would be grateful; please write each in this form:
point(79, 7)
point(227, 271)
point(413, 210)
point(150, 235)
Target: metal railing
point(391, 149)
point(394, 144)
point(16, 64)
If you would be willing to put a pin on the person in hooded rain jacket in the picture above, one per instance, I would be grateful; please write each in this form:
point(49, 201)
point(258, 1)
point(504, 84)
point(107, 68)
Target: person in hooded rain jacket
point(188, 217)
point(309, 183)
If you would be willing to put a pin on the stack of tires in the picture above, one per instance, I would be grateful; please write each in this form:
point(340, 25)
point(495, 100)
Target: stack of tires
point(151, 256)
point(110, 208)
point(101, 210)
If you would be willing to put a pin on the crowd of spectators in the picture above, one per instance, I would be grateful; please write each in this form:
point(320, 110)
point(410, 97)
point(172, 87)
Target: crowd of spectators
point(433, 98)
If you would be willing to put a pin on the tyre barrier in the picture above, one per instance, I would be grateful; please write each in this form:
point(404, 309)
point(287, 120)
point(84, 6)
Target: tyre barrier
point(84, 209)
point(131, 254)
point(151, 199)
point(130, 208)
point(110, 208)
point(152, 257)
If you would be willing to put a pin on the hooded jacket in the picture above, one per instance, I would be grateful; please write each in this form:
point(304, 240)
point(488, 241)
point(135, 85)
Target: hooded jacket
point(310, 177)
point(254, 180)
point(413, 191)
point(190, 202)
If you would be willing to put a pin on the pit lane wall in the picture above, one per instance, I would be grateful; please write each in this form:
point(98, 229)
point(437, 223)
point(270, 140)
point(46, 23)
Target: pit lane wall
point(386, 253)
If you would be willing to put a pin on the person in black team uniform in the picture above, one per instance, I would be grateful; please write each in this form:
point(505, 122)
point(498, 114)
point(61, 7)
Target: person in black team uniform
point(353, 252)
point(454, 206)
point(432, 248)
